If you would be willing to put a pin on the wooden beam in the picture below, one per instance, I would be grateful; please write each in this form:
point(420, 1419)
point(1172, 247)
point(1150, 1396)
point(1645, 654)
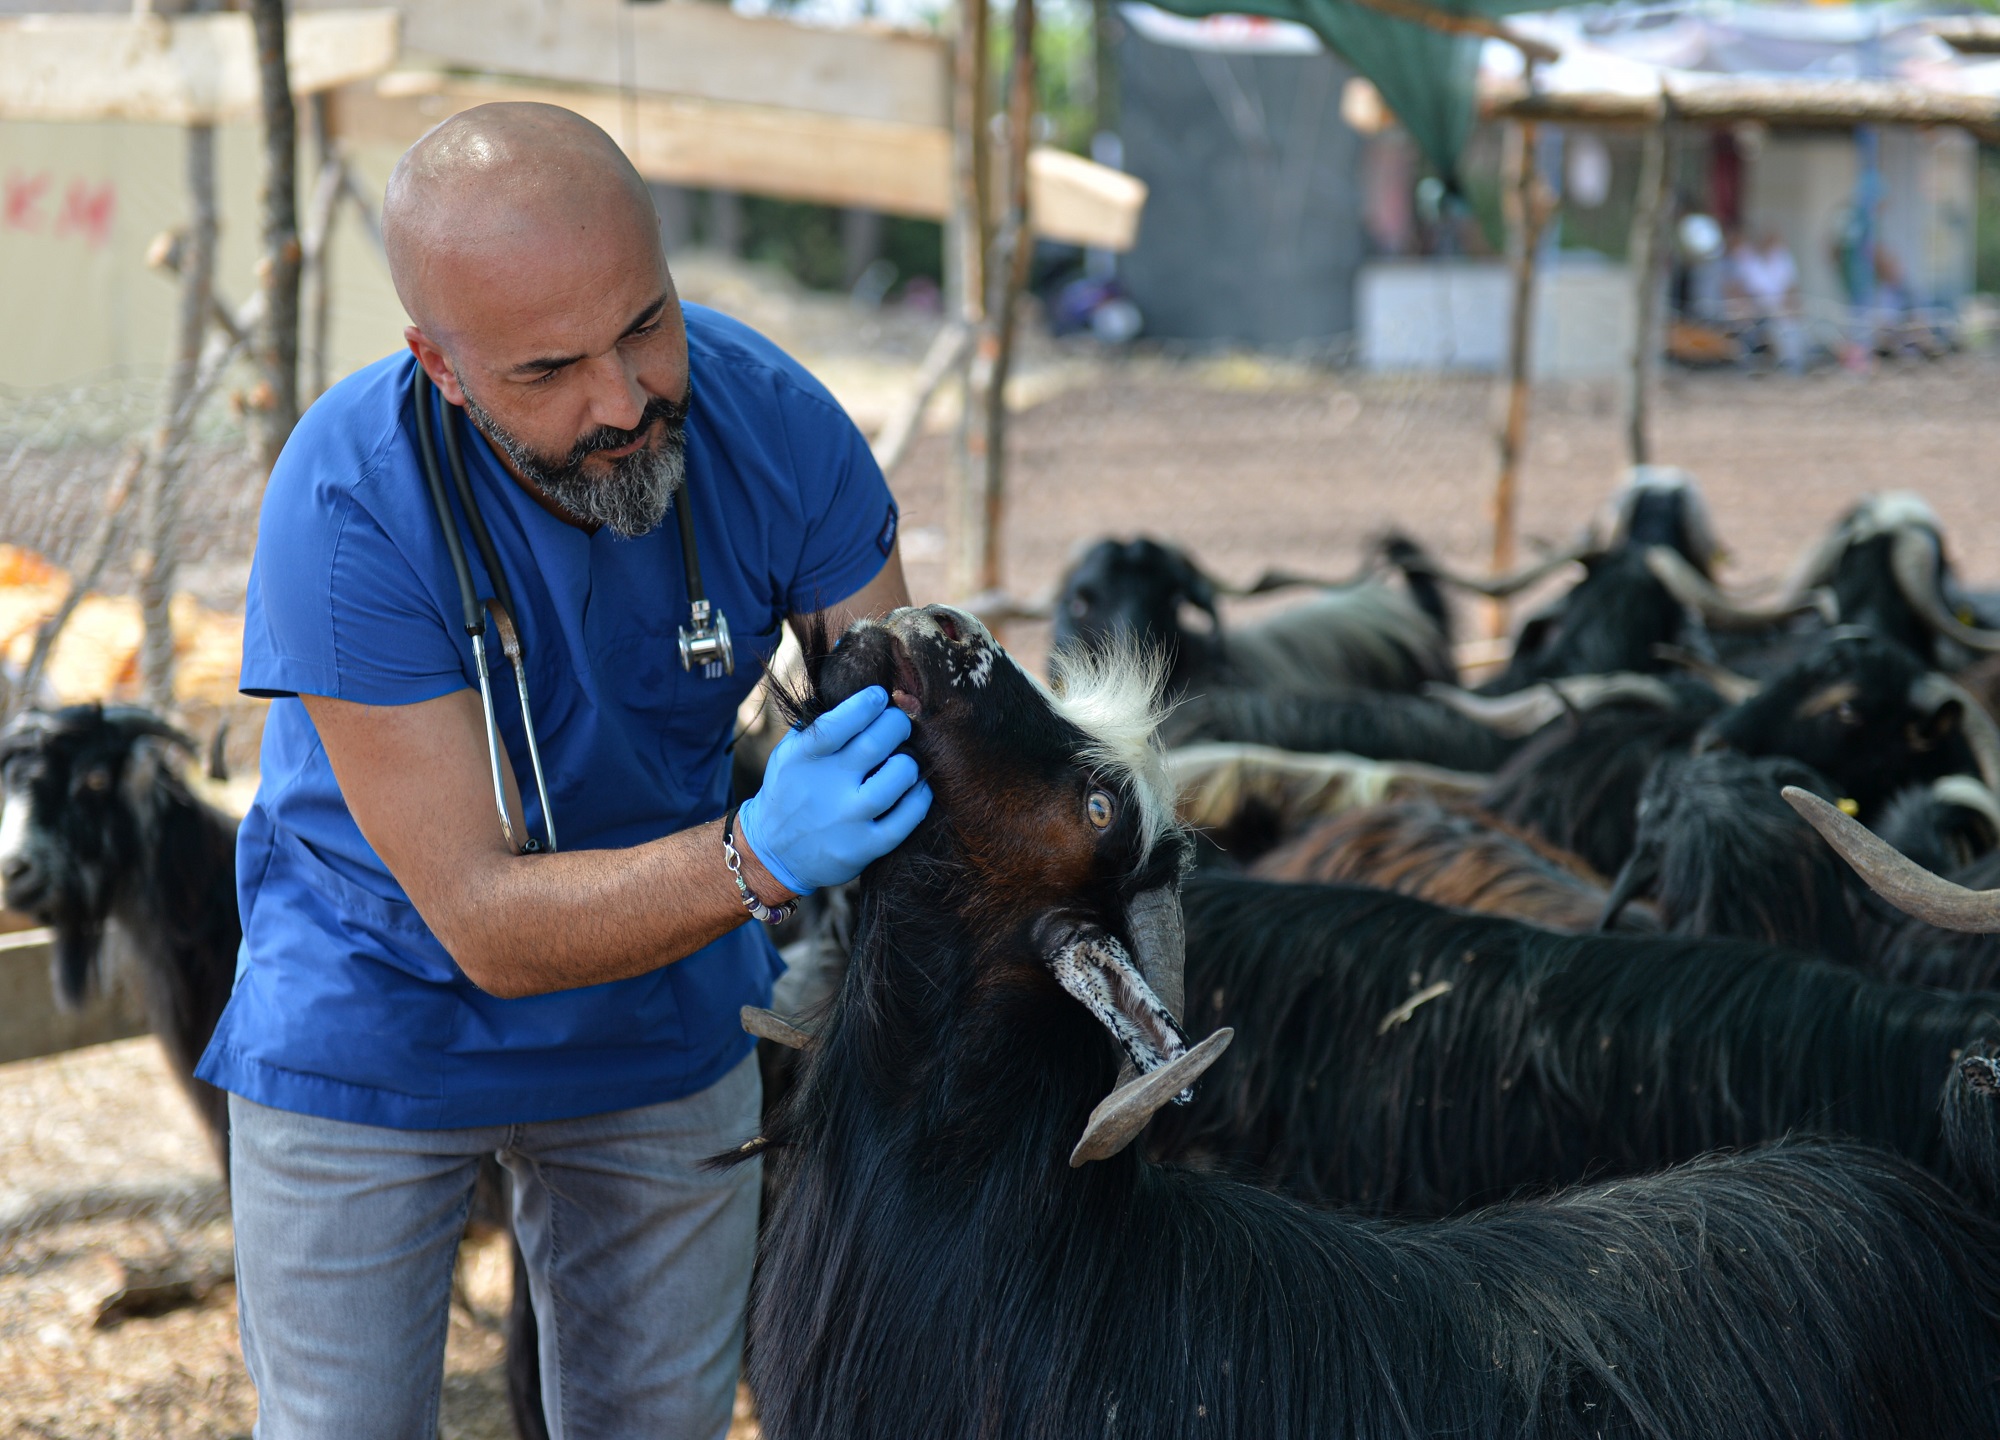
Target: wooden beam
point(1811, 104)
point(187, 70)
point(1970, 34)
point(30, 1023)
point(702, 52)
point(765, 150)
point(1453, 23)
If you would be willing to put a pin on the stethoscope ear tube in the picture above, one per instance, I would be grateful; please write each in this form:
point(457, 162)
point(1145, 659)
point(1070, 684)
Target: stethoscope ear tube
point(421, 391)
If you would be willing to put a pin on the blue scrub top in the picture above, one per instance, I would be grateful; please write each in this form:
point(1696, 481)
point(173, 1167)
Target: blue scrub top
point(345, 1005)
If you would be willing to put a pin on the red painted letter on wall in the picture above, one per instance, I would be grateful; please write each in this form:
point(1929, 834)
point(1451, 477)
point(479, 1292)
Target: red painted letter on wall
point(87, 211)
point(21, 200)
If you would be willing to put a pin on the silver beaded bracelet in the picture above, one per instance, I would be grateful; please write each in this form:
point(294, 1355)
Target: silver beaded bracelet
point(769, 914)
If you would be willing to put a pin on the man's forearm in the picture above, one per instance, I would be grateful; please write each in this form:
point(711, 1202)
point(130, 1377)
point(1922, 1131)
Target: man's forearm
point(531, 924)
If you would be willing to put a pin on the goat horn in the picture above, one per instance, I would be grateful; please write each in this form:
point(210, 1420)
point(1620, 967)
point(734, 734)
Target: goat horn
point(1982, 734)
point(1914, 562)
point(1526, 711)
point(1638, 873)
point(770, 1025)
point(1894, 876)
point(1123, 1113)
point(1159, 945)
point(136, 721)
point(1500, 587)
point(1725, 682)
point(1969, 794)
point(1700, 594)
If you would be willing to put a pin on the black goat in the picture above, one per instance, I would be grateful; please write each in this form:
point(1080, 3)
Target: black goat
point(1375, 725)
point(99, 833)
point(101, 838)
point(1867, 714)
point(1415, 1060)
point(1616, 618)
point(1576, 782)
point(1362, 636)
point(1721, 854)
point(950, 1261)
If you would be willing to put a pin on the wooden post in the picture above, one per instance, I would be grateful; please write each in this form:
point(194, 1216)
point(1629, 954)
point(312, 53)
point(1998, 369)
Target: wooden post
point(972, 232)
point(278, 337)
point(160, 508)
point(1644, 257)
point(316, 281)
point(1007, 275)
point(1526, 207)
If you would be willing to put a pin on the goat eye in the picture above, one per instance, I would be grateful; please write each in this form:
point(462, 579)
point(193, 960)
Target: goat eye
point(99, 779)
point(1846, 714)
point(1079, 607)
point(1099, 808)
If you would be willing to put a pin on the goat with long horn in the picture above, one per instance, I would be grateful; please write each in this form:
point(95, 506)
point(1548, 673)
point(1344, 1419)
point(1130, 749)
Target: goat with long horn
point(970, 1246)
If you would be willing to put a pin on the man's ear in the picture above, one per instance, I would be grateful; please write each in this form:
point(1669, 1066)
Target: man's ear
point(435, 365)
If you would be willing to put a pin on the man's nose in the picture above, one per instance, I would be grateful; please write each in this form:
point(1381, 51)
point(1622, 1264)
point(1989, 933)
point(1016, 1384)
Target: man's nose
point(617, 399)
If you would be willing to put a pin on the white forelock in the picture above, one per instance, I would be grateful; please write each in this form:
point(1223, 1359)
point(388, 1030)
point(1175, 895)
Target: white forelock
point(1114, 698)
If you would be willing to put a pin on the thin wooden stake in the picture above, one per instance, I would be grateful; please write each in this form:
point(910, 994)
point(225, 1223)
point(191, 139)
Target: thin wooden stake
point(160, 509)
point(972, 228)
point(1644, 256)
point(277, 342)
point(1526, 209)
point(1013, 250)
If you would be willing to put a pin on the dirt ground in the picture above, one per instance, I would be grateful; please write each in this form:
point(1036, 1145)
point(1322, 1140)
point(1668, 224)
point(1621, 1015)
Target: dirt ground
point(104, 1180)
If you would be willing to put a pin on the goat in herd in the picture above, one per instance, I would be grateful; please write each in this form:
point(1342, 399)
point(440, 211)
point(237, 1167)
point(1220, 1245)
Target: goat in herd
point(967, 1245)
point(1559, 946)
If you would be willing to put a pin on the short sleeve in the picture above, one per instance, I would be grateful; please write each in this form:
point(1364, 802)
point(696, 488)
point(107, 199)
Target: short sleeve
point(334, 607)
point(850, 516)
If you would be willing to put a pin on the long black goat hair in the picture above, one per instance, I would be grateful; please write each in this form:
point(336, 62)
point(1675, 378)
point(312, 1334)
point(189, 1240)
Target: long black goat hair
point(938, 1267)
point(1414, 1060)
point(1577, 784)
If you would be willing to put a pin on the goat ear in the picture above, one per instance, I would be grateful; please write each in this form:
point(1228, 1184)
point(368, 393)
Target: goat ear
point(1198, 589)
point(1637, 875)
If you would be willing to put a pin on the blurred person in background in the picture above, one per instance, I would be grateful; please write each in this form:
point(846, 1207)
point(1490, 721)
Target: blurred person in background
point(1763, 284)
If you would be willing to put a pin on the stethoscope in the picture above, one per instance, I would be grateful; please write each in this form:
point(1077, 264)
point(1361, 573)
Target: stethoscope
point(704, 641)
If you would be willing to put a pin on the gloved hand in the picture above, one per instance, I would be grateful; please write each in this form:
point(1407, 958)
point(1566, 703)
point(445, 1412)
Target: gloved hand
point(821, 816)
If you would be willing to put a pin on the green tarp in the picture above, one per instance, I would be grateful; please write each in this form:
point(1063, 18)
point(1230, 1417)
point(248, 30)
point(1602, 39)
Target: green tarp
point(1425, 76)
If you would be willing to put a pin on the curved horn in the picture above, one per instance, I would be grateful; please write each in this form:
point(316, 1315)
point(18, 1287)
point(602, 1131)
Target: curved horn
point(1969, 794)
point(769, 1025)
point(1123, 1113)
point(1725, 682)
point(137, 722)
point(1159, 944)
point(1700, 594)
point(1526, 711)
point(1894, 876)
point(1913, 560)
point(1500, 587)
point(1982, 734)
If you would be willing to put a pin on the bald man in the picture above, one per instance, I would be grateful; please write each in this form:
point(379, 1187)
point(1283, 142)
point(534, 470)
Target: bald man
point(419, 987)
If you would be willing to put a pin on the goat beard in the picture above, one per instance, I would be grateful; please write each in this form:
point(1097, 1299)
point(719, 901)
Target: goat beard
point(630, 500)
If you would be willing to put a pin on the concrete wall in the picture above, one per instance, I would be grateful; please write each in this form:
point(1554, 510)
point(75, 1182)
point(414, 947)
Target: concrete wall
point(30, 1024)
point(1253, 227)
point(1454, 314)
point(1803, 184)
point(80, 204)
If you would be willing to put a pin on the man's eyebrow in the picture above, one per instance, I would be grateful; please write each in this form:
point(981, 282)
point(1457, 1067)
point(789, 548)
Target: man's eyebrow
point(547, 363)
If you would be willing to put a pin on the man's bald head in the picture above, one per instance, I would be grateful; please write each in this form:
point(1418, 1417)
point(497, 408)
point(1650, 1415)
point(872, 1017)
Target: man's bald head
point(494, 186)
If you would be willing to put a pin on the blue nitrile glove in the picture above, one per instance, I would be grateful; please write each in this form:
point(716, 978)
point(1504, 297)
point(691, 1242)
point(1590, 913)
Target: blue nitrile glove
point(822, 816)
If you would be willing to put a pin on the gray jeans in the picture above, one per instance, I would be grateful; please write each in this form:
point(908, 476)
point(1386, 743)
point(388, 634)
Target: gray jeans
point(639, 1263)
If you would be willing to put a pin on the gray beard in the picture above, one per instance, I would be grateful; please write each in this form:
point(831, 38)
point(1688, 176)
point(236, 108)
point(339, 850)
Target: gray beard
point(633, 498)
